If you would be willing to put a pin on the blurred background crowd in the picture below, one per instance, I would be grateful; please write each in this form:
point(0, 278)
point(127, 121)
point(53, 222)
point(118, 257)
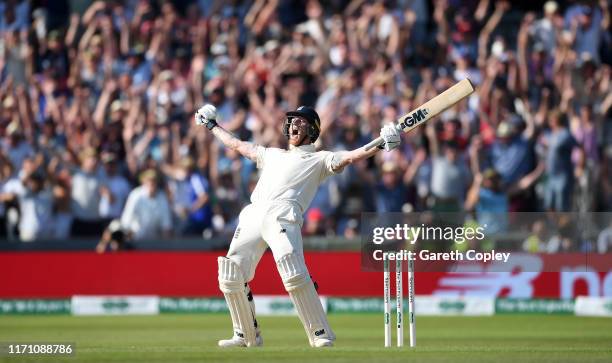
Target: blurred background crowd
point(97, 101)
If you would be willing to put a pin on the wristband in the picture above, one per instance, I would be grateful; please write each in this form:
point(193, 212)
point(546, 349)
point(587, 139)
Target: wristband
point(210, 124)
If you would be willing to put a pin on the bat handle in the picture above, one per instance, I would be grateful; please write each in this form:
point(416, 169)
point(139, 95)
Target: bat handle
point(377, 141)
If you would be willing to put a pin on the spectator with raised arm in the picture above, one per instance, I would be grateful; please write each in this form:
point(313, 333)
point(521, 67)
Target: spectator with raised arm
point(559, 144)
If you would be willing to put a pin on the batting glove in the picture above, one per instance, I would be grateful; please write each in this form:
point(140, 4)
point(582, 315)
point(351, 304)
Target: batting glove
point(207, 115)
point(391, 135)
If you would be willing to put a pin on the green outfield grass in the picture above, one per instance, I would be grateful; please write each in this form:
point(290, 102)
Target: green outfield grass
point(192, 338)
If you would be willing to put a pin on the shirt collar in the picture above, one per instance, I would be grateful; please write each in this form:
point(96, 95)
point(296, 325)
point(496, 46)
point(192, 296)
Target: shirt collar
point(303, 148)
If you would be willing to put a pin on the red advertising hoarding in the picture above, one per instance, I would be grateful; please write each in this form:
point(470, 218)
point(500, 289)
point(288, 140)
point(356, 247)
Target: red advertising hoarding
point(63, 274)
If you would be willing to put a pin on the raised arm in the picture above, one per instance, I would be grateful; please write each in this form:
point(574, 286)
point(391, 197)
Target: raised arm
point(605, 21)
point(345, 158)
point(483, 39)
point(522, 40)
point(245, 148)
point(390, 135)
point(207, 116)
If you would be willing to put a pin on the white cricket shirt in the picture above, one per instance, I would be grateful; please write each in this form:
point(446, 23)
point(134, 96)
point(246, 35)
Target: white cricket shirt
point(291, 175)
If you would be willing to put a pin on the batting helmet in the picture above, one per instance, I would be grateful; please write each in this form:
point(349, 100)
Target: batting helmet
point(310, 115)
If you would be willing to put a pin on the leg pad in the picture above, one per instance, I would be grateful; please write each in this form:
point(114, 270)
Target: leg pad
point(233, 286)
point(304, 296)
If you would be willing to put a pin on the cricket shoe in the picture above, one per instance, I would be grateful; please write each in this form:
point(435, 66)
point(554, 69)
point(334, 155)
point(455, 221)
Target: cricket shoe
point(237, 341)
point(322, 342)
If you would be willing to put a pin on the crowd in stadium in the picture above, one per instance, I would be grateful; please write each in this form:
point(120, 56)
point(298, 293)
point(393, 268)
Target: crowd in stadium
point(97, 102)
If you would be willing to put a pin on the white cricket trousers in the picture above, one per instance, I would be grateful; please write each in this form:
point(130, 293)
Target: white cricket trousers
point(276, 224)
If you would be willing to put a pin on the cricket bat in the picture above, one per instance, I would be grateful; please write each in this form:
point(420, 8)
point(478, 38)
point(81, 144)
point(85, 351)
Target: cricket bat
point(430, 109)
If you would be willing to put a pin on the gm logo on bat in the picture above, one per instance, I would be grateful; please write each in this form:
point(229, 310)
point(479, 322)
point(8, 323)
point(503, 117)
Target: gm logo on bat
point(414, 119)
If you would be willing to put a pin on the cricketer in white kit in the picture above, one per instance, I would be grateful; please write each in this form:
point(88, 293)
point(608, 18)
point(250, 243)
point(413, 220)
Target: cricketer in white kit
point(288, 182)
